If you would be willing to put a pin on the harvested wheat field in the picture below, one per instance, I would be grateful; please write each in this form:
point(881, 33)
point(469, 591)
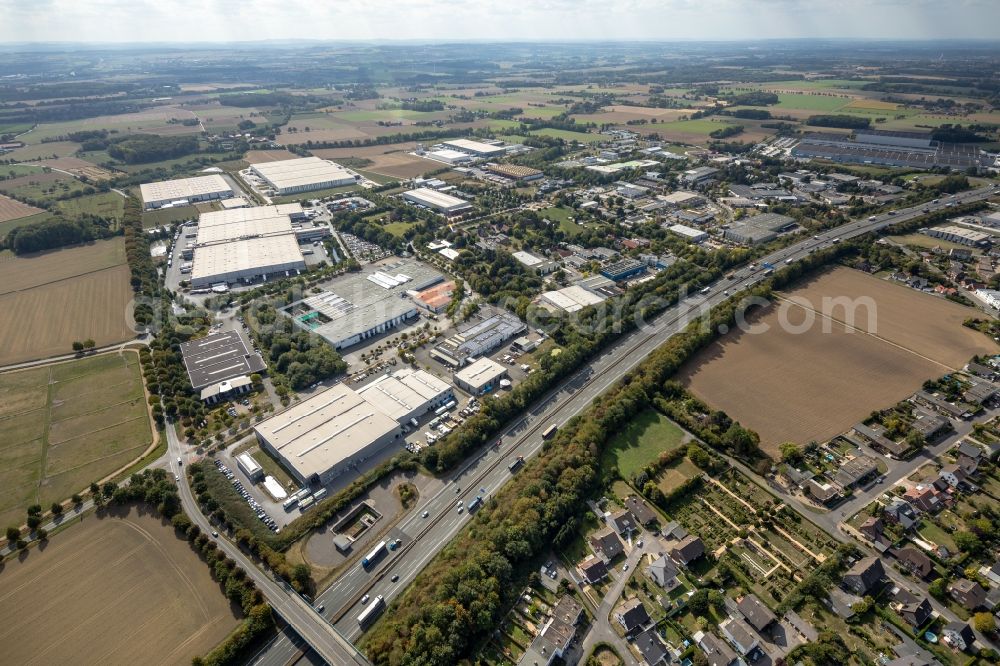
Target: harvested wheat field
point(800, 383)
point(113, 590)
point(262, 156)
point(50, 300)
point(11, 209)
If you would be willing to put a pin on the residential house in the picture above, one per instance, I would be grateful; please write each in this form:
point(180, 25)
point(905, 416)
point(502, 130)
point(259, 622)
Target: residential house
point(717, 651)
point(979, 393)
point(968, 593)
point(822, 492)
point(556, 634)
point(796, 477)
point(969, 450)
point(740, 635)
point(900, 511)
point(875, 434)
point(959, 635)
point(942, 405)
point(931, 426)
point(755, 612)
point(967, 464)
point(632, 615)
point(865, 575)
point(651, 647)
point(856, 470)
point(991, 573)
point(593, 569)
point(606, 544)
point(872, 529)
point(664, 572)
point(980, 370)
point(915, 610)
point(953, 475)
point(687, 550)
point(674, 530)
point(915, 561)
point(926, 498)
point(623, 522)
point(644, 515)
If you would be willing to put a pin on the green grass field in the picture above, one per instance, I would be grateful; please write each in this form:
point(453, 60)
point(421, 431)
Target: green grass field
point(380, 114)
point(65, 425)
point(398, 228)
point(317, 194)
point(108, 205)
point(6, 227)
point(158, 218)
point(810, 102)
point(703, 126)
point(648, 435)
point(562, 215)
point(567, 135)
point(44, 189)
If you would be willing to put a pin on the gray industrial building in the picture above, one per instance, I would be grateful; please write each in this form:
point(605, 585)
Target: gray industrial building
point(887, 148)
point(214, 360)
point(359, 306)
point(480, 376)
point(758, 229)
point(327, 434)
point(478, 338)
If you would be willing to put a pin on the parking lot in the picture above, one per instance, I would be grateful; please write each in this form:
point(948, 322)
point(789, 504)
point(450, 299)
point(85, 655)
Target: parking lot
point(237, 482)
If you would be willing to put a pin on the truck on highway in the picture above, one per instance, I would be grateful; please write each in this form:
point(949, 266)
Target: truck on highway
point(476, 503)
point(371, 613)
point(513, 467)
point(550, 432)
point(372, 557)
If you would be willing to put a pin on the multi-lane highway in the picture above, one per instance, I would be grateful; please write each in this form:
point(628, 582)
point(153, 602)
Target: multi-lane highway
point(320, 635)
point(422, 537)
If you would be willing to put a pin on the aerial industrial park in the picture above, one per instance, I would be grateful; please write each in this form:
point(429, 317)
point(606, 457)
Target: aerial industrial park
point(515, 354)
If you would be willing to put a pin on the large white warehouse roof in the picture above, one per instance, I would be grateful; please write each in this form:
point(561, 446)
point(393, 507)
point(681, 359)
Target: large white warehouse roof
point(191, 189)
point(303, 174)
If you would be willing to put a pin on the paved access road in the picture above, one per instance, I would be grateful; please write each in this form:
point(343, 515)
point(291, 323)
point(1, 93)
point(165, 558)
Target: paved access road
point(422, 538)
point(320, 635)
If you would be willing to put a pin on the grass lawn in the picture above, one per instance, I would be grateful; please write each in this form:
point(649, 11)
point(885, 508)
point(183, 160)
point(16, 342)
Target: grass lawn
point(577, 549)
point(223, 492)
point(108, 205)
point(562, 215)
point(166, 216)
point(931, 532)
point(316, 194)
point(273, 468)
point(920, 240)
point(649, 434)
point(398, 228)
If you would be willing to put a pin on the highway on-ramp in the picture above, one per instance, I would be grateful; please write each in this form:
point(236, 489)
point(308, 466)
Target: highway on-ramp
point(422, 538)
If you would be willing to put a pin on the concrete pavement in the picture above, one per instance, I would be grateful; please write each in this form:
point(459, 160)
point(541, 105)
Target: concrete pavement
point(601, 630)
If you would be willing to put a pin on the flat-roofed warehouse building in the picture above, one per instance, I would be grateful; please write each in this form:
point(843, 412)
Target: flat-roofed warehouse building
point(478, 338)
point(327, 434)
point(407, 394)
point(214, 359)
point(303, 174)
point(358, 306)
point(960, 235)
point(244, 244)
point(439, 201)
point(475, 148)
point(184, 190)
point(570, 299)
point(480, 376)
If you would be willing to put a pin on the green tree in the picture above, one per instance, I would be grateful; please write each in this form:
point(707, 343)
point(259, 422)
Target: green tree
point(968, 542)
point(57, 509)
point(939, 588)
point(77, 346)
point(790, 453)
point(89, 343)
point(13, 533)
point(984, 623)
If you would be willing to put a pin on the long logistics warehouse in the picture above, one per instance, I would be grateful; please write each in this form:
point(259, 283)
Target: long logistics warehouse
point(184, 191)
point(246, 244)
point(336, 430)
point(439, 201)
point(303, 175)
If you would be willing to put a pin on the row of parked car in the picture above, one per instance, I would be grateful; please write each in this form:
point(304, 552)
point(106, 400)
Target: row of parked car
point(261, 514)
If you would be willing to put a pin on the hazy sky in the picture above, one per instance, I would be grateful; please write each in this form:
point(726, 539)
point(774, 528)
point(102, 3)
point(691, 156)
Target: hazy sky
point(246, 20)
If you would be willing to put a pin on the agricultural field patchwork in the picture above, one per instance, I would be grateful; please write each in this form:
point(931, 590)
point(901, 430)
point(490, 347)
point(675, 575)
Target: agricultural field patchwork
point(65, 425)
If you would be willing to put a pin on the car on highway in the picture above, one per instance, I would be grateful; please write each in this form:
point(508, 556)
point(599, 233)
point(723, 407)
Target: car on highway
point(461, 509)
point(458, 489)
point(321, 608)
point(395, 577)
point(625, 567)
point(214, 533)
point(365, 599)
point(425, 514)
